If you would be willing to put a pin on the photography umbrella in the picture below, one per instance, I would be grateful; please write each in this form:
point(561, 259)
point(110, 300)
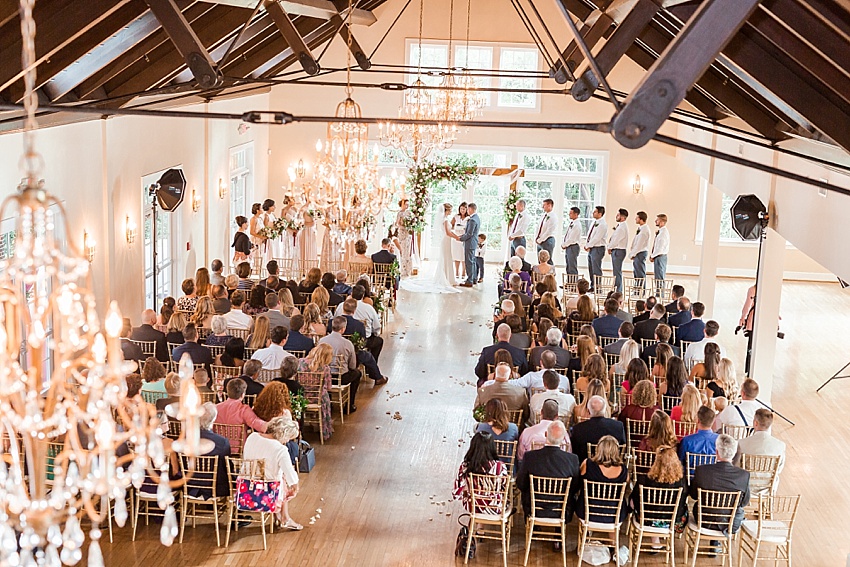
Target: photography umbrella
point(748, 213)
point(172, 185)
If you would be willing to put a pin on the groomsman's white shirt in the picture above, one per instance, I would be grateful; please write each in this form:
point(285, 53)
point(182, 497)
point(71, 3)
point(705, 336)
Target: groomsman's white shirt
point(641, 241)
point(573, 235)
point(548, 227)
point(662, 243)
point(520, 225)
point(596, 233)
point(619, 238)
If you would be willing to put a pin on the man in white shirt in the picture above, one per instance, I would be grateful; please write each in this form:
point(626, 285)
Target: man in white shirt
point(761, 442)
point(640, 248)
point(272, 356)
point(566, 402)
point(371, 320)
point(545, 237)
point(617, 245)
point(742, 413)
point(595, 245)
point(236, 318)
point(660, 249)
point(572, 238)
point(696, 351)
point(519, 226)
point(548, 361)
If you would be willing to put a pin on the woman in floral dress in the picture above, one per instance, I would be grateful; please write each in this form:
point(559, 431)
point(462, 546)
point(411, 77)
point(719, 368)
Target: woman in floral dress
point(307, 238)
point(405, 240)
point(319, 360)
point(272, 245)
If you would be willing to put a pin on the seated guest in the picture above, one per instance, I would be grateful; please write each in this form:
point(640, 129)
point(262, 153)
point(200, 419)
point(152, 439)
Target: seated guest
point(649, 304)
point(583, 288)
point(172, 388)
point(640, 309)
point(273, 281)
point(256, 303)
point(515, 286)
point(366, 284)
point(584, 310)
point(343, 351)
point(702, 442)
point(190, 298)
point(276, 317)
point(360, 256)
point(199, 353)
point(622, 314)
point(216, 266)
point(321, 361)
point(688, 409)
point(554, 340)
point(204, 312)
point(694, 329)
point(550, 461)
point(519, 338)
point(272, 356)
point(566, 402)
point(595, 428)
point(219, 336)
point(176, 324)
point(580, 411)
point(629, 352)
point(367, 313)
point(549, 299)
point(295, 341)
point(516, 299)
point(661, 433)
point(662, 335)
point(352, 326)
point(236, 318)
point(707, 371)
point(683, 315)
point(146, 332)
point(311, 282)
point(663, 354)
point(585, 348)
point(221, 304)
point(384, 256)
point(233, 412)
point(328, 283)
point(761, 442)
point(594, 369)
point(288, 370)
point(231, 282)
point(507, 307)
point(744, 411)
point(608, 325)
point(129, 349)
point(271, 447)
point(503, 334)
point(515, 397)
point(166, 311)
point(642, 405)
point(678, 291)
point(675, 379)
point(497, 422)
point(515, 264)
point(243, 270)
point(313, 323)
point(502, 357)
point(646, 329)
point(221, 449)
point(624, 332)
point(696, 351)
point(722, 476)
point(341, 287)
point(249, 377)
point(153, 374)
point(536, 434)
point(665, 472)
point(636, 371)
point(548, 362)
point(273, 402)
point(233, 355)
point(605, 465)
point(202, 381)
point(543, 266)
point(481, 458)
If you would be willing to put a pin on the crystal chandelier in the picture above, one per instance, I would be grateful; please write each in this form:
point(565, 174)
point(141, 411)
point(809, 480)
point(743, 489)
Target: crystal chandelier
point(457, 99)
point(73, 443)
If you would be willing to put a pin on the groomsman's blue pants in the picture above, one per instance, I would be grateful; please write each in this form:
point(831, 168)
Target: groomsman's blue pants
point(549, 246)
point(516, 243)
point(617, 257)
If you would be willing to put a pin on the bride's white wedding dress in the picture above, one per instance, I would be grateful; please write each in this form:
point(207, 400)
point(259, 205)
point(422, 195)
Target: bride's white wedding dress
point(441, 280)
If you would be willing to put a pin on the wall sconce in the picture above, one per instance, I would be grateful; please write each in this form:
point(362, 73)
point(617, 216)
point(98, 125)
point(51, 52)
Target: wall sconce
point(297, 171)
point(89, 246)
point(222, 188)
point(196, 200)
point(637, 186)
point(131, 231)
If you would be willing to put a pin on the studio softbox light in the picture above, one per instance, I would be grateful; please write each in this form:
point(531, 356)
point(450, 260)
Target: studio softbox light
point(747, 212)
point(172, 186)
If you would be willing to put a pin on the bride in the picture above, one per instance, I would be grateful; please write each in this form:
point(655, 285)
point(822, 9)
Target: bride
point(441, 279)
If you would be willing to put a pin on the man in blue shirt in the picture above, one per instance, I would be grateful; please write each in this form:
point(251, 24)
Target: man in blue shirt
point(703, 442)
point(609, 324)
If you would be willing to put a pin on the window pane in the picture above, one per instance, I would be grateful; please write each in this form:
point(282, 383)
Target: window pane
point(581, 195)
point(476, 57)
point(433, 57)
point(726, 231)
point(489, 195)
point(534, 192)
point(561, 163)
point(518, 59)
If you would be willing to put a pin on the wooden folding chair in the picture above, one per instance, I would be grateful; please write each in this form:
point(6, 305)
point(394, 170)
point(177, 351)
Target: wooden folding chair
point(548, 496)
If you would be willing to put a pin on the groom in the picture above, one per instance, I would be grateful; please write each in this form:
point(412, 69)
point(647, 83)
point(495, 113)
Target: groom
point(470, 242)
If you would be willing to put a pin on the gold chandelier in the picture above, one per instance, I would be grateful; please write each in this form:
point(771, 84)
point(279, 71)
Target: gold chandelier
point(73, 443)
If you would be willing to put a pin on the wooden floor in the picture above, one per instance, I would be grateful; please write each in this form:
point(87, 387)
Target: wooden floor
point(383, 485)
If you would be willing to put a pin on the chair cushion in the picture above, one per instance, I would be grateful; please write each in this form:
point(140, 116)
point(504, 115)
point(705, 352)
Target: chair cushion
point(601, 526)
point(650, 529)
point(773, 531)
point(716, 534)
point(492, 517)
point(547, 521)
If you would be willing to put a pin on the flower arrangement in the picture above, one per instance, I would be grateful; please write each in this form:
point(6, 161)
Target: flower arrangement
point(479, 414)
point(458, 171)
point(298, 402)
point(378, 303)
point(358, 341)
point(510, 206)
point(395, 270)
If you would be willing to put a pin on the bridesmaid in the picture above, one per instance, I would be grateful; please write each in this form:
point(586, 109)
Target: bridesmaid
point(255, 226)
point(272, 246)
point(459, 227)
point(307, 237)
point(288, 248)
point(405, 240)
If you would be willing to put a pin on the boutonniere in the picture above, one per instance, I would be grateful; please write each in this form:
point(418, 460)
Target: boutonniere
point(595, 224)
point(637, 232)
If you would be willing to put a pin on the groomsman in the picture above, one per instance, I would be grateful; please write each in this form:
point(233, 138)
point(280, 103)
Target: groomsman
point(617, 246)
point(640, 248)
point(545, 238)
point(660, 249)
point(516, 232)
point(571, 241)
point(595, 245)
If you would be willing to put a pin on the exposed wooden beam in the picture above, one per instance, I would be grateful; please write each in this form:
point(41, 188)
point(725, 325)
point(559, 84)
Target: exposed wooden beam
point(321, 32)
point(320, 9)
point(348, 36)
point(683, 62)
point(292, 36)
point(591, 33)
point(8, 11)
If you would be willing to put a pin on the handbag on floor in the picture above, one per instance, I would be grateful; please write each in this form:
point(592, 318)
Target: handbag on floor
point(463, 538)
point(254, 495)
point(306, 457)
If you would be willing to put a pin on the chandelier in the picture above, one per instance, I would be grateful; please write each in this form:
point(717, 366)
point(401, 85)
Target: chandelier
point(458, 100)
point(73, 443)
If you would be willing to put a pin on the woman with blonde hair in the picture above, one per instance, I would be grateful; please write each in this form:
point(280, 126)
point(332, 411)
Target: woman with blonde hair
point(628, 352)
point(606, 465)
point(174, 329)
point(660, 434)
point(589, 331)
point(202, 282)
point(313, 323)
point(287, 304)
point(321, 299)
point(727, 379)
point(549, 299)
point(543, 266)
point(261, 334)
point(594, 388)
point(311, 282)
point(686, 411)
point(319, 361)
point(594, 369)
point(204, 312)
point(584, 310)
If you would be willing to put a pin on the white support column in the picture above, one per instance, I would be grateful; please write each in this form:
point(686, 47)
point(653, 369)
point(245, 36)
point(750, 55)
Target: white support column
point(768, 296)
point(110, 234)
point(710, 248)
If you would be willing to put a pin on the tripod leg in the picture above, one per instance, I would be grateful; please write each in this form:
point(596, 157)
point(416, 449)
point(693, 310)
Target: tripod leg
point(776, 412)
point(834, 377)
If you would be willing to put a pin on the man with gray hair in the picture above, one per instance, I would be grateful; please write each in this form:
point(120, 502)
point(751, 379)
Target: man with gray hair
point(554, 344)
point(341, 287)
point(595, 428)
point(488, 354)
point(534, 379)
point(723, 476)
point(515, 286)
point(519, 226)
point(514, 396)
point(550, 461)
point(221, 449)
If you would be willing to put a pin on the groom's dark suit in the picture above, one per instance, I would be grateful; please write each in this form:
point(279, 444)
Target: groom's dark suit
point(470, 243)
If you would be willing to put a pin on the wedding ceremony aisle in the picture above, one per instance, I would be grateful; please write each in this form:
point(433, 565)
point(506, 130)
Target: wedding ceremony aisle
point(380, 492)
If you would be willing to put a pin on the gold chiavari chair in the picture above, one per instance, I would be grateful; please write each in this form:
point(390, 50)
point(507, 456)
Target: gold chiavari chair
point(148, 347)
point(694, 460)
point(506, 451)
point(636, 430)
point(605, 341)
point(641, 462)
point(763, 471)
point(171, 347)
point(548, 495)
point(647, 343)
point(657, 519)
point(340, 393)
point(265, 376)
point(152, 397)
point(575, 326)
point(490, 509)
point(235, 433)
point(203, 333)
point(570, 284)
point(684, 428)
point(603, 285)
point(147, 496)
point(305, 266)
point(250, 470)
point(249, 399)
point(357, 269)
point(222, 373)
point(602, 504)
point(286, 269)
point(216, 351)
point(313, 385)
point(591, 449)
point(634, 288)
point(773, 526)
point(515, 416)
point(664, 289)
point(174, 429)
point(669, 402)
point(714, 510)
point(737, 431)
point(199, 496)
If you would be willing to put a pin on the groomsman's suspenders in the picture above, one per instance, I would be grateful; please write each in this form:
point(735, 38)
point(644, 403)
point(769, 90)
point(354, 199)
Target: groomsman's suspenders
point(744, 419)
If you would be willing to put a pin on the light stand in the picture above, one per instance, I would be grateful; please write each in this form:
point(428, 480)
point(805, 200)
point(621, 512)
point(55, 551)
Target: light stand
point(152, 194)
point(836, 376)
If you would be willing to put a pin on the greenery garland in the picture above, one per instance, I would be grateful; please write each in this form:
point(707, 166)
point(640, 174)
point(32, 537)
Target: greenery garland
point(510, 206)
point(457, 171)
